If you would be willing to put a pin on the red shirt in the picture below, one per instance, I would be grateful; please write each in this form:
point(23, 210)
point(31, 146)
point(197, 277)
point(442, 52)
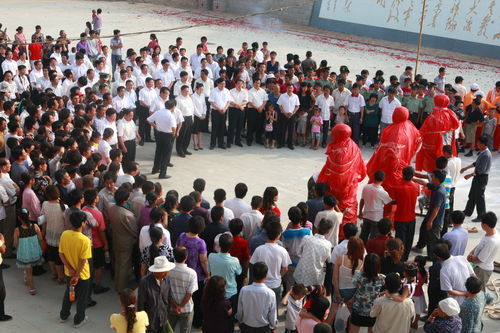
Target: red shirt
point(406, 91)
point(35, 51)
point(101, 226)
point(283, 89)
point(275, 210)
point(377, 245)
point(406, 195)
point(239, 249)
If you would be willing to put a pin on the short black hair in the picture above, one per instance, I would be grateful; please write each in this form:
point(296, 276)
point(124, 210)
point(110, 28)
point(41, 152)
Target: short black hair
point(440, 175)
point(196, 224)
point(273, 230)
point(324, 226)
point(457, 217)
point(199, 184)
point(379, 176)
point(442, 251)
point(393, 282)
point(408, 173)
point(186, 204)
point(483, 140)
point(447, 149)
point(321, 189)
point(216, 213)
point(77, 218)
point(259, 270)
point(441, 162)
point(384, 226)
point(473, 285)
point(225, 242)
point(180, 253)
point(256, 201)
point(219, 195)
point(295, 215)
point(322, 328)
point(240, 190)
point(236, 226)
point(330, 200)
point(121, 195)
point(490, 219)
point(350, 229)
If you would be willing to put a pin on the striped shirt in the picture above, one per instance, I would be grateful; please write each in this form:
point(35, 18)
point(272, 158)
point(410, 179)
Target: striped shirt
point(182, 280)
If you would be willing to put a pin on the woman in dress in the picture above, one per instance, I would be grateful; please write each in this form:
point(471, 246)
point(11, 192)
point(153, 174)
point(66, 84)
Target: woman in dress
point(129, 321)
point(27, 241)
point(30, 201)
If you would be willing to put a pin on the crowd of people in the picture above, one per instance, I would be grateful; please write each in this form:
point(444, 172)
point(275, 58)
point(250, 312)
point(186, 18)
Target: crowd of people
point(74, 196)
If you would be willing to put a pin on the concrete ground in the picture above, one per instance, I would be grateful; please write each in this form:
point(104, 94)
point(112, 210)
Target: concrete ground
point(256, 166)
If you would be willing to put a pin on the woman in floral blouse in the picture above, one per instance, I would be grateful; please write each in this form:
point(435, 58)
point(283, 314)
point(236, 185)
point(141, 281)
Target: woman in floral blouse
point(472, 307)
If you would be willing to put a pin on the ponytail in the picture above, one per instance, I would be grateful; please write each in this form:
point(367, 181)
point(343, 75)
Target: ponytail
point(155, 233)
point(128, 299)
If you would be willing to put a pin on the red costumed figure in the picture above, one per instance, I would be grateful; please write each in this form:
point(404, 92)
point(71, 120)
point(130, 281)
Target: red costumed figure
point(437, 127)
point(343, 170)
point(398, 144)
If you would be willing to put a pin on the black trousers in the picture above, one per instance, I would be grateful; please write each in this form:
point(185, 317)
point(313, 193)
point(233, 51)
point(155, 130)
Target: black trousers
point(324, 132)
point(286, 127)
point(236, 118)
point(370, 134)
point(414, 118)
point(476, 196)
point(82, 290)
point(198, 311)
point(131, 151)
point(206, 121)
point(405, 231)
point(354, 118)
point(422, 235)
point(184, 138)
point(255, 125)
point(164, 142)
point(218, 128)
point(144, 127)
point(2, 294)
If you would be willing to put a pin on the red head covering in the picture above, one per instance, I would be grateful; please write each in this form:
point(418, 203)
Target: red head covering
point(343, 170)
point(398, 144)
point(440, 122)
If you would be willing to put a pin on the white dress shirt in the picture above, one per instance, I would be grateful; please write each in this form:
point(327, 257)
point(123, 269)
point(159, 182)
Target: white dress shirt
point(276, 258)
point(126, 129)
point(257, 306)
point(340, 98)
point(220, 97)
point(178, 85)
point(185, 105)
point(238, 206)
point(251, 222)
point(387, 108)
point(147, 95)
point(208, 85)
point(166, 77)
point(355, 103)
point(22, 83)
point(200, 106)
point(257, 97)
point(288, 102)
point(239, 97)
point(145, 240)
point(121, 103)
point(164, 120)
point(9, 65)
point(195, 60)
point(158, 104)
point(324, 104)
point(103, 124)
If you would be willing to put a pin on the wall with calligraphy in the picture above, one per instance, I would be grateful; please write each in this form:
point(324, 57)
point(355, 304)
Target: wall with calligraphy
point(468, 26)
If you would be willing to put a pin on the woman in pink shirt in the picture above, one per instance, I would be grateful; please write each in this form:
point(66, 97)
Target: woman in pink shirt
point(314, 315)
point(29, 199)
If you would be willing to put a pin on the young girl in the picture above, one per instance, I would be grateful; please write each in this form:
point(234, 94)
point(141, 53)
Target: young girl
point(304, 209)
point(271, 118)
point(316, 124)
point(418, 295)
point(153, 42)
point(129, 320)
point(342, 116)
point(27, 240)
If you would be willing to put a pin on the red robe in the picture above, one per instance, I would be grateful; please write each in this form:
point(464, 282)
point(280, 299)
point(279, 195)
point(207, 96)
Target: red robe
point(343, 170)
point(441, 121)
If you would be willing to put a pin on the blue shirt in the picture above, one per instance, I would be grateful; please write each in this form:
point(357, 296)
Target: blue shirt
point(178, 226)
point(292, 241)
point(314, 207)
point(458, 237)
point(438, 199)
point(226, 266)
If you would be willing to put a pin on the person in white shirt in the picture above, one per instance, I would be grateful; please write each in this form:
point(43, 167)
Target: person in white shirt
point(355, 104)
point(36, 73)
point(257, 98)
point(155, 65)
point(340, 96)
point(9, 64)
point(56, 86)
point(484, 254)
point(387, 105)
point(219, 101)
point(371, 206)
point(453, 169)
point(120, 102)
point(130, 93)
point(165, 74)
point(289, 105)
point(203, 66)
point(109, 122)
point(455, 270)
point(459, 87)
point(236, 113)
point(175, 63)
point(164, 123)
point(146, 97)
point(237, 204)
point(325, 103)
point(79, 68)
point(127, 135)
point(274, 256)
point(121, 81)
point(183, 81)
point(24, 61)
point(200, 112)
point(104, 147)
point(195, 59)
point(143, 75)
point(208, 85)
point(186, 105)
point(184, 67)
point(253, 219)
point(21, 80)
point(259, 55)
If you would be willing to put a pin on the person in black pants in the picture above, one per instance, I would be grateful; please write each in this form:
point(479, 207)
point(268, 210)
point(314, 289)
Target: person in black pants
point(236, 113)
point(219, 102)
point(288, 104)
point(481, 170)
point(257, 98)
point(186, 105)
point(163, 121)
point(3, 316)
point(146, 97)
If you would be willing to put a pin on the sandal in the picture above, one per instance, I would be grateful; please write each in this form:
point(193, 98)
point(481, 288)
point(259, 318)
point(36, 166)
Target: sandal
point(472, 230)
point(32, 291)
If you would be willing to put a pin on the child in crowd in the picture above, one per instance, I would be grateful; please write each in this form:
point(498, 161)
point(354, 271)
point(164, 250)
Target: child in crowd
point(294, 301)
point(316, 124)
point(27, 241)
point(271, 119)
point(489, 126)
point(302, 128)
point(371, 121)
point(342, 116)
point(418, 296)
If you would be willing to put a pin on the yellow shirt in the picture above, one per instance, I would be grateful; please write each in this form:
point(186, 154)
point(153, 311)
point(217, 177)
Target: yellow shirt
point(119, 323)
point(76, 246)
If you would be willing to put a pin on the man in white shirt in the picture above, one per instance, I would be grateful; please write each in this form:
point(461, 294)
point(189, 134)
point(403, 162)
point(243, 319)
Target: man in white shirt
point(120, 102)
point(146, 97)
point(9, 224)
point(109, 122)
point(289, 105)
point(203, 66)
point(127, 134)
point(9, 64)
point(184, 67)
point(340, 96)
point(208, 85)
point(219, 101)
point(371, 206)
point(455, 270)
point(21, 80)
point(253, 219)
point(186, 105)
point(36, 74)
point(257, 98)
point(195, 59)
point(79, 68)
point(325, 103)
point(459, 87)
point(130, 93)
point(164, 123)
point(236, 113)
point(484, 254)
point(387, 105)
point(165, 74)
point(143, 75)
point(183, 81)
point(355, 104)
point(236, 204)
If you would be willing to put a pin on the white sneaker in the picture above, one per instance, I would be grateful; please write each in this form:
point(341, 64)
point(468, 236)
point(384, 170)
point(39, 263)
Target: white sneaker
point(81, 323)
